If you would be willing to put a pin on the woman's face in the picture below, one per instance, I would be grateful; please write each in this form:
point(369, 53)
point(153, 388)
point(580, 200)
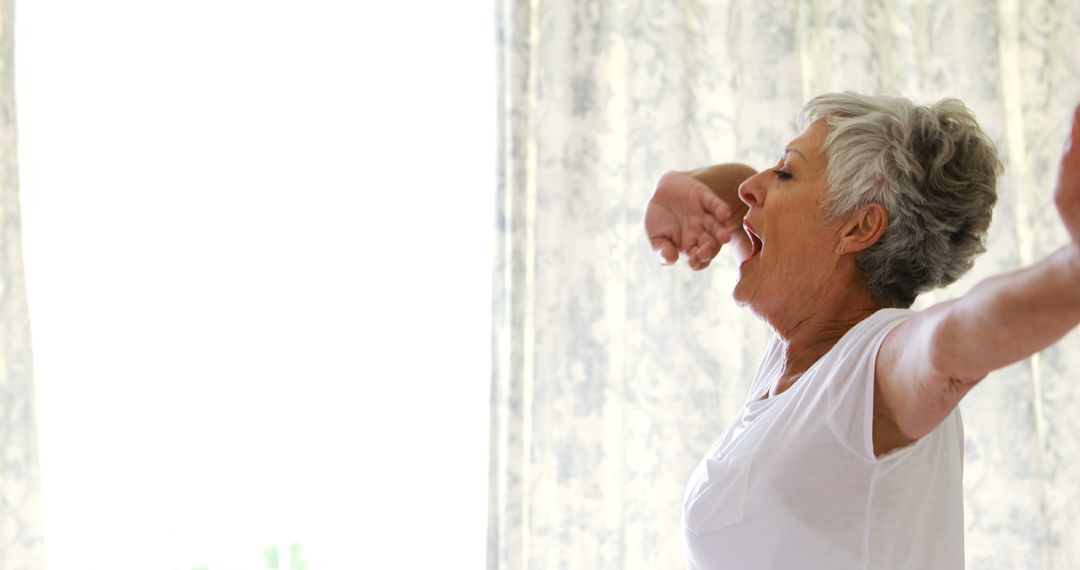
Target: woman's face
point(795, 249)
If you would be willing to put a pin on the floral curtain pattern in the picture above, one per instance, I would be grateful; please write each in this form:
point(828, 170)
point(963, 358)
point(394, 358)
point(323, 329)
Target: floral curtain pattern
point(20, 515)
point(612, 374)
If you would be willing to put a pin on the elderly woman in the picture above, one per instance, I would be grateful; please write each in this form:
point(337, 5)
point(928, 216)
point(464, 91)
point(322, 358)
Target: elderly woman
point(848, 450)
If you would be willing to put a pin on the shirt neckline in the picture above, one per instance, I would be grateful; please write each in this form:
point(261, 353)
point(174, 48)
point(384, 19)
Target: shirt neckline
point(772, 383)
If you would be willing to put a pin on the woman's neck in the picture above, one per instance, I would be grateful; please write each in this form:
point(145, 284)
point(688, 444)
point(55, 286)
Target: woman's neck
point(809, 333)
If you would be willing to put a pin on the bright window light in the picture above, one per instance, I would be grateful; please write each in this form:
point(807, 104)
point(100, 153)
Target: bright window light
point(258, 244)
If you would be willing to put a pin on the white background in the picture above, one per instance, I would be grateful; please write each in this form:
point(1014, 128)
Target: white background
point(258, 244)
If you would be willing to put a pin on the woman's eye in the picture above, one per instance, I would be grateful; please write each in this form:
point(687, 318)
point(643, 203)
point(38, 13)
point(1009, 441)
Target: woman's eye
point(782, 174)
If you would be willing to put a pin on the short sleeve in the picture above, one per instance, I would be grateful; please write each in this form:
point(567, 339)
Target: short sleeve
point(849, 387)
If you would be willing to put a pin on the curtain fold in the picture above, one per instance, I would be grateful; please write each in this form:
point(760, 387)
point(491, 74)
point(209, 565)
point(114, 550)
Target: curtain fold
point(613, 375)
point(20, 515)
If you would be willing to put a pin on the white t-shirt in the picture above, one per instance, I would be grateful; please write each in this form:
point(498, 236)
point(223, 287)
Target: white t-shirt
point(794, 483)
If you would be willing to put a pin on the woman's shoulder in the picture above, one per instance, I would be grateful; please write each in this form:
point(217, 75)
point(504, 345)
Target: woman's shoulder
point(856, 351)
point(886, 316)
point(875, 327)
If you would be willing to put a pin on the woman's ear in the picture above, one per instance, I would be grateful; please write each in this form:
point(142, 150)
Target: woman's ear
point(863, 229)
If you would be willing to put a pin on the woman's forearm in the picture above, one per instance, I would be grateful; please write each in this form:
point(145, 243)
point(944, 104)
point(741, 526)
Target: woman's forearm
point(1009, 317)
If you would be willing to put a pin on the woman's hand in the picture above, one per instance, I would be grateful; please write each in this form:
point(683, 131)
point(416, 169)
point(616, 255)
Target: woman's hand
point(685, 215)
point(1067, 195)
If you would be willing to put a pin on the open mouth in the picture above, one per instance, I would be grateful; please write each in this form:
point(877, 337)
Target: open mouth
point(756, 243)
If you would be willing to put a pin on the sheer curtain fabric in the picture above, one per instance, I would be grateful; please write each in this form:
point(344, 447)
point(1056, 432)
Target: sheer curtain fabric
point(20, 520)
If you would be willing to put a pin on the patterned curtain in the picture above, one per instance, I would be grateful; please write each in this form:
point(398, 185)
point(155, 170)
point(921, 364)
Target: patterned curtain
point(613, 374)
point(20, 514)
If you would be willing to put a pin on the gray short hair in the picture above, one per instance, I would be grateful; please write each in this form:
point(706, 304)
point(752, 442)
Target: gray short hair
point(934, 171)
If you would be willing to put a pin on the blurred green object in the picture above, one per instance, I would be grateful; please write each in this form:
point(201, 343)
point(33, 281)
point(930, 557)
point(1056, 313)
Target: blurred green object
point(273, 558)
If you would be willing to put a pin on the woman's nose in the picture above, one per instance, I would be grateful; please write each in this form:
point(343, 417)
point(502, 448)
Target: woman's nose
point(752, 190)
